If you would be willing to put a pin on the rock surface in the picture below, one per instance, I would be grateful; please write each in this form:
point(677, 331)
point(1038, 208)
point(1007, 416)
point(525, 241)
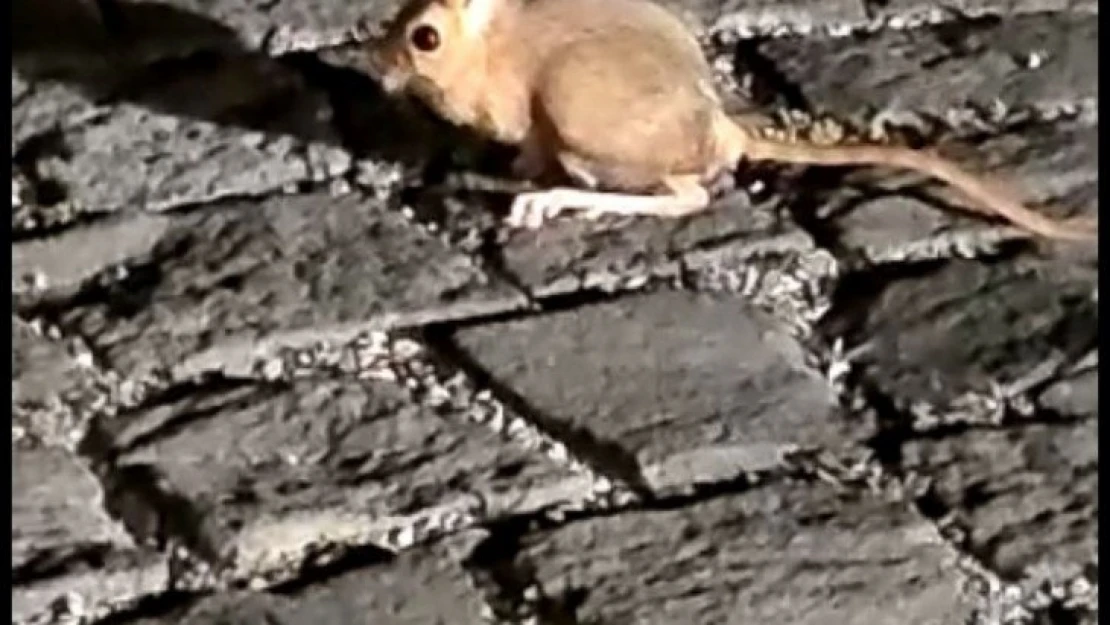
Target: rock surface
point(261, 374)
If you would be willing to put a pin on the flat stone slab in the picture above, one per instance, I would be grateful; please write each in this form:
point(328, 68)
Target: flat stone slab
point(126, 157)
point(1075, 394)
point(50, 374)
point(265, 476)
point(57, 513)
point(667, 382)
point(101, 250)
point(1028, 495)
point(284, 26)
point(40, 366)
point(224, 286)
point(420, 586)
point(67, 553)
point(791, 553)
point(573, 253)
point(933, 336)
point(767, 16)
point(1023, 60)
point(987, 7)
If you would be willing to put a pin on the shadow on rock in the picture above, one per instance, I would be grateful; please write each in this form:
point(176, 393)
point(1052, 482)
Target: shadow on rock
point(185, 64)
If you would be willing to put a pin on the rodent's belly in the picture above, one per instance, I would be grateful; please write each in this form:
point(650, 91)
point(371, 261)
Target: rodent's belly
point(629, 177)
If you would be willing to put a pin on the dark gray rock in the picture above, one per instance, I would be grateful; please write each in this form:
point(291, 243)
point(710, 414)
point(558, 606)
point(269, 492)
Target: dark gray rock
point(787, 553)
point(677, 383)
point(50, 374)
point(56, 513)
point(573, 253)
point(1073, 395)
point(40, 366)
point(417, 587)
point(929, 70)
point(270, 477)
point(131, 158)
point(975, 8)
point(935, 334)
point(285, 26)
point(766, 16)
point(98, 251)
point(226, 285)
point(68, 555)
point(1028, 496)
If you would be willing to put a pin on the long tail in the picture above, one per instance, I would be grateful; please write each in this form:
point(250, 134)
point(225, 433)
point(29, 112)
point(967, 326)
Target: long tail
point(743, 143)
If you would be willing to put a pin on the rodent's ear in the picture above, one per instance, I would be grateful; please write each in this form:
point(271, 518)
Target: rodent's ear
point(476, 14)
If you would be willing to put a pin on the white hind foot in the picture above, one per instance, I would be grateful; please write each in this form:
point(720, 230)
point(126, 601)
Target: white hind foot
point(533, 209)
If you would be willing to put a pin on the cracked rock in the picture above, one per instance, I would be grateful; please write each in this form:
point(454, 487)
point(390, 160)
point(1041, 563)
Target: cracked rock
point(574, 253)
point(413, 588)
point(928, 70)
point(227, 284)
point(130, 158)
point(68, 555)
point(667, 383)
point(789, 554)
point(1027, 496)
point(263, 480)
point(935, 334)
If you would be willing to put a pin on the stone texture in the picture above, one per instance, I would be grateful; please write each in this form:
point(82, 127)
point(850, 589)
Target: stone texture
point(65, 545)
point(100, 251)
point(80, 38)
point(974, 8)
point(40, 366)
point(1028, 495)
point(663, 379)
point(56, 513)
point(227, 279)
point(934, 335)
point(1056, 167)
point(932, 69)
point(573, 254)
point(782, 554)
point(94, 593)
point(417, 587)
point(261, 469)
point(181, 202)
point(130, 158)
point(765, 16)
point(50, 375)
point(283, 26)
point(1074, 394)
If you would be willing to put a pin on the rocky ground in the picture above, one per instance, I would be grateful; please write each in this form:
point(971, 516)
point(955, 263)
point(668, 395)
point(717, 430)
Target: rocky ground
point(274, 364)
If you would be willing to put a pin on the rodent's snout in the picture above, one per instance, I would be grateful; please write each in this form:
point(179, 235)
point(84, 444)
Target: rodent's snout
point(393, 81)
point(385, 69)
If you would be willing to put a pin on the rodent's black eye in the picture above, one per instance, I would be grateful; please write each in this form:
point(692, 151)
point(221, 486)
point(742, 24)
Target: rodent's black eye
point(425, 38)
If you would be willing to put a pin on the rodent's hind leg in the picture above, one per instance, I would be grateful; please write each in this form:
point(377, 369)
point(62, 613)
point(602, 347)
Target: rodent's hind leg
point(531, 210)
point(532, 162)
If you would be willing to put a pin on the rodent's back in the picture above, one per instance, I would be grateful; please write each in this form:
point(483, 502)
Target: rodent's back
point(630, 91)
point(549, 23)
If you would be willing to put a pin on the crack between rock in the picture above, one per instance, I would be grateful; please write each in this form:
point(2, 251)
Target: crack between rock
point(607, 457)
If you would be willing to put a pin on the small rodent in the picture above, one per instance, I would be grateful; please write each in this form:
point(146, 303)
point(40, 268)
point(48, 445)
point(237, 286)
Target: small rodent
point(616, 94)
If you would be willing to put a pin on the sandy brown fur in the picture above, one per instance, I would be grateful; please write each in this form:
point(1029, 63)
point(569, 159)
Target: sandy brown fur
point(618, 94)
